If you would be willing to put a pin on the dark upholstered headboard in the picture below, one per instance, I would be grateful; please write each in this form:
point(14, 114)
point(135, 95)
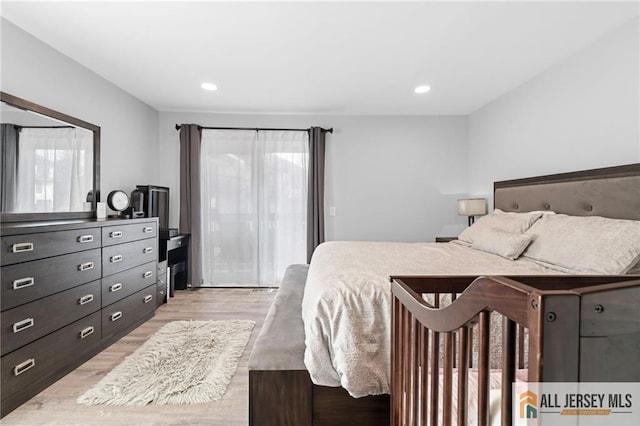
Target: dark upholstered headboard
point(612, 192)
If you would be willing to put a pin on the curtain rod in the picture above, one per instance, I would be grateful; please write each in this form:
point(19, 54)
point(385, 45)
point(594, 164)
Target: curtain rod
point(257, 129)
point(18, 127)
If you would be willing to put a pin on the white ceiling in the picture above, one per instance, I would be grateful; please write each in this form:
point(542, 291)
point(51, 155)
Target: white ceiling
point(318, 57)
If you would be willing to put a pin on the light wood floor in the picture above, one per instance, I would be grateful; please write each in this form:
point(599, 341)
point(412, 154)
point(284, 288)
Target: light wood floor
point(57, 404)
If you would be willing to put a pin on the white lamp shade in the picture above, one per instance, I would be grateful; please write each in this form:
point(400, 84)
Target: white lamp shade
point(472, 206)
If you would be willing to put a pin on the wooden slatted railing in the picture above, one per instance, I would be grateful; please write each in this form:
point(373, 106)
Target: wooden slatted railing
point(432, 342)
point(425, 361)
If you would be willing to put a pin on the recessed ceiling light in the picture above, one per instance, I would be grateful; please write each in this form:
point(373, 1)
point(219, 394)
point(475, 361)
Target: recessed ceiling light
point(209, 86)
point(422, 89)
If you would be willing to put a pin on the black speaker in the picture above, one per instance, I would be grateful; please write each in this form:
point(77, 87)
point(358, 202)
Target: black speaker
point(137, 203)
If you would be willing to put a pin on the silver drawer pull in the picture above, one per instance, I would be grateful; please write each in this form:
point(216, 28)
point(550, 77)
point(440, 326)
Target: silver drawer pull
point(23, 282)
point(115, 287)
point(85, 299)
point(23, 325)
point(116, 234)
point(22, 247)
point(147, 274)
point(148, 298)
point(115, 259)
point(21, 368)
point(86, 332)
point(147, 229)
point(147, 250)
point(85, 238)
point(115, 316)
point(85, 266)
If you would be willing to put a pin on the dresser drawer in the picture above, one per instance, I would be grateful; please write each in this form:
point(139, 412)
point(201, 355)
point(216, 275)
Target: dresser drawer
point(125, 283)
point(162, 282)
point(119, 234)
point(161, 293)
point(34, 362)
point(162, 268)
point(25, 282)
point(23, 248)
point(26, 323)
point(162, 272)
point(123, 313)
point(125, 256)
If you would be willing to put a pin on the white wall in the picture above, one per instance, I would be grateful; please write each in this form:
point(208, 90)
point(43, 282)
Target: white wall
point(34, 71)
point(584, 112)
point(389, 178)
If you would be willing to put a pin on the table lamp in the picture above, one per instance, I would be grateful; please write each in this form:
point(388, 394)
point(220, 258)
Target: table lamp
point(472, 207)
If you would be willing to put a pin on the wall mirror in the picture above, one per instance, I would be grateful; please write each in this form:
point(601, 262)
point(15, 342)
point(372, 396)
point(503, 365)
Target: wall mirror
point(49, 163)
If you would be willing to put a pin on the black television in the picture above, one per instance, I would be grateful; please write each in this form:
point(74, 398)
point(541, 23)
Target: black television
point(156, 204)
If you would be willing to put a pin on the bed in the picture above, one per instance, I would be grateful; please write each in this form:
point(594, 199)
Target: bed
point(348, 351)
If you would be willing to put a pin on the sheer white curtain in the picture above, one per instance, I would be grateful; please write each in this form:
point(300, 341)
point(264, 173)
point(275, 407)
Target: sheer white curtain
point(254, 198)
point(55, 169)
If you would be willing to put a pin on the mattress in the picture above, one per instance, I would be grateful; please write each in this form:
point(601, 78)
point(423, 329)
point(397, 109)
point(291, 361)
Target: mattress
point(346, 307)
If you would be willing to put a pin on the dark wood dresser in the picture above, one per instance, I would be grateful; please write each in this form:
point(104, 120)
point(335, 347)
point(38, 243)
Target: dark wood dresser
point(70, 289)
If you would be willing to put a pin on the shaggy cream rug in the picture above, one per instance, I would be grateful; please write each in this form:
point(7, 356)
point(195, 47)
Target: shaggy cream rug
point(185, 362)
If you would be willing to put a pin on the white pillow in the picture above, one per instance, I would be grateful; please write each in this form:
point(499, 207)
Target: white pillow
point(506, 244)
point(516, 223)
point(585, 244)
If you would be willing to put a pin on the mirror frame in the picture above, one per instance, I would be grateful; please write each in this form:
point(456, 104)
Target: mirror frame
point(39, 109)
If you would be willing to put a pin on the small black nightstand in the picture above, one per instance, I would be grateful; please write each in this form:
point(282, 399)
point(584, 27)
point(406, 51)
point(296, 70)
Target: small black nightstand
point(445, 239)
point(175, 251)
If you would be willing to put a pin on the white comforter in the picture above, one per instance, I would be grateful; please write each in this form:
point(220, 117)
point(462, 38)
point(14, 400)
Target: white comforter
point(346, 307)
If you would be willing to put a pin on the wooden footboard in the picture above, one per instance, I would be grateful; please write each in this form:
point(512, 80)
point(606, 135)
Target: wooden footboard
point(289, 398)
point(443, 341)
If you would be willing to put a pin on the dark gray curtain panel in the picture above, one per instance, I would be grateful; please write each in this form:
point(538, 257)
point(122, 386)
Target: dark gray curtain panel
point(190, 219)
point(9, 164)
point(315, 195)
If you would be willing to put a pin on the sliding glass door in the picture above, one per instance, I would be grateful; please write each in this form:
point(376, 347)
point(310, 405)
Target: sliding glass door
point(254, 201)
